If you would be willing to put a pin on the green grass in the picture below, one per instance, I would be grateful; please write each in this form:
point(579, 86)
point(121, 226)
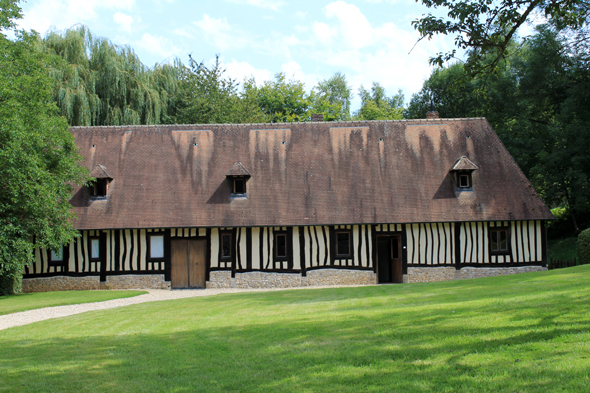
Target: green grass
point(563, 249)
point(522, 333)
point(30, 301)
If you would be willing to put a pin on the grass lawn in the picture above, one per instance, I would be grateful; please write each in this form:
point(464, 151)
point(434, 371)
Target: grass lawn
point(30, 301)
point(522, 333)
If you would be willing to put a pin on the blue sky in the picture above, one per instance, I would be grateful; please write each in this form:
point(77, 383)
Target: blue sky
point(367, 40)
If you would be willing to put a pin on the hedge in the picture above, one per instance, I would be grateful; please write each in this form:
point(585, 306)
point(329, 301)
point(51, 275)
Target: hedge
point(583, 244)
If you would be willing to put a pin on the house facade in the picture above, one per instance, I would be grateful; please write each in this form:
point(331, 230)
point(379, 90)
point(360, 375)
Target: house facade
point(296, 204)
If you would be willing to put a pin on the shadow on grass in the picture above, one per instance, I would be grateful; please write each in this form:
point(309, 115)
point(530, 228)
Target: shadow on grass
point(379, 352)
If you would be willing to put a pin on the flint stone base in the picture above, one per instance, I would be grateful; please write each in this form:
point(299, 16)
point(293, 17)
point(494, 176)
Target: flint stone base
point(144, 281)
point(66, 283)
point(61, 283)
point(445, 273)
point(223, 279)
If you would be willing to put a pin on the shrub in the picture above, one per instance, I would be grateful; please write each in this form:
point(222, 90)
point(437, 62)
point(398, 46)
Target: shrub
point(584, 247)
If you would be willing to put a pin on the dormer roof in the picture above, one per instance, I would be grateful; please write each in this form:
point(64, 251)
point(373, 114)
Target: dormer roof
point(100, 172)
point(238, 170)
point(464, 164)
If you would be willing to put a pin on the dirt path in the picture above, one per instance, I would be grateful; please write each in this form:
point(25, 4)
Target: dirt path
point(154, 295)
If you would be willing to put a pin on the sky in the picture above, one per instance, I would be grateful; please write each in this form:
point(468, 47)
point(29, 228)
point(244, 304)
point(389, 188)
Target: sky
point(308, 40)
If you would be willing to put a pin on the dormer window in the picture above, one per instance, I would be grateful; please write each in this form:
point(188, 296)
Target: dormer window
point(463, 170)
point(238, 176)
point(239, 186)
point(99, 188)
point(464, 180)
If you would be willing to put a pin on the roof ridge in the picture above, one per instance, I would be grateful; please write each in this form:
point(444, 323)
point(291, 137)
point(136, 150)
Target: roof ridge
point(273, 124)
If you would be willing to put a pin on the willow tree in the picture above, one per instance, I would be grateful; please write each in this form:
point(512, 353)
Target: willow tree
point(99, 83)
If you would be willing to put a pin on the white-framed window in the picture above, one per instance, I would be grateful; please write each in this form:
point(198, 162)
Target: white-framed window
point(94, 248)
point(57, 256)
point(156, 246)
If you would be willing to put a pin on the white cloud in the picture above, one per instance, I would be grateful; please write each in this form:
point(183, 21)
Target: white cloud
point(44, 13)
point(220, 34)
point(268, 4)
point(324, 33)
point(354, 26)
point(241, 70)
point(126, 21)
point(184, 32)
point(158, 45)
point(293, 71)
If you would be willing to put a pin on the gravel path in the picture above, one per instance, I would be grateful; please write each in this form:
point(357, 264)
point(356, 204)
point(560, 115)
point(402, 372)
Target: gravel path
point(153, 295)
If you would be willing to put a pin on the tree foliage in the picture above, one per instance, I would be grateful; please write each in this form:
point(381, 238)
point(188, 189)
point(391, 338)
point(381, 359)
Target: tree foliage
point(38, 157)
point(99, 83)
point(375, 105)
point(207, 96)
point(282, 99)
point(537, 103)
point(486, 27)
point(332, 98)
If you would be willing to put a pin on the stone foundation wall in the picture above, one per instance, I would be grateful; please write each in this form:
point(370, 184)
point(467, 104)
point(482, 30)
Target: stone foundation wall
point(223, 279)
point(66, 283)
point(61, 283)
point(147, 281)
point(339, 277)
point(444, 273)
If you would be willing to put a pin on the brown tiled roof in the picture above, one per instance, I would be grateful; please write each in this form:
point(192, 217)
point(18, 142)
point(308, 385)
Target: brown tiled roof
point(464, 164)
point(238, 170)
point(302, 174)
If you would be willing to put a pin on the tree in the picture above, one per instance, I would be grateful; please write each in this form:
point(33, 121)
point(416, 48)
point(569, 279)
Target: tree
point(38, 156)
point(537, 103)
point(99, 83)
point(332, 98)
point(375, 105)
point(207, 96)
point(282, 100)
point(486, 27)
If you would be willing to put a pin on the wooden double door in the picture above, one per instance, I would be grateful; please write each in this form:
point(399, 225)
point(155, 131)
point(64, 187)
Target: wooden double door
point(188, 263)
point(389, 259)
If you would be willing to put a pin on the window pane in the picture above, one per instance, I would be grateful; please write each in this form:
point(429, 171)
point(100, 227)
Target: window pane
point(95, 253)
point(57, 256)
point(157, 246)
point(239, 186)
point(343, 243)
point(226, 245)
point(281, 245)
point(464, 181)
point(503, 240)
point(494, 240)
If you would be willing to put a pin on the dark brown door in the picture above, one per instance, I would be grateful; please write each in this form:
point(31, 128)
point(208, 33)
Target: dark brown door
point(188, 263)
point(389, 261)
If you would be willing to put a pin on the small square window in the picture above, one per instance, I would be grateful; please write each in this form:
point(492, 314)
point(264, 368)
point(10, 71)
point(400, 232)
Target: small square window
point(156, 246)
point(100, 189)
point(57, 255)
point(464, 181)
point(226, 240)
point(499, 241)
point(239, 186)
point(343, 244)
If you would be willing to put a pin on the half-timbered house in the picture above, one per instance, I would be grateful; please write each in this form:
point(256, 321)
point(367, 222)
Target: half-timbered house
point(253, 205)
